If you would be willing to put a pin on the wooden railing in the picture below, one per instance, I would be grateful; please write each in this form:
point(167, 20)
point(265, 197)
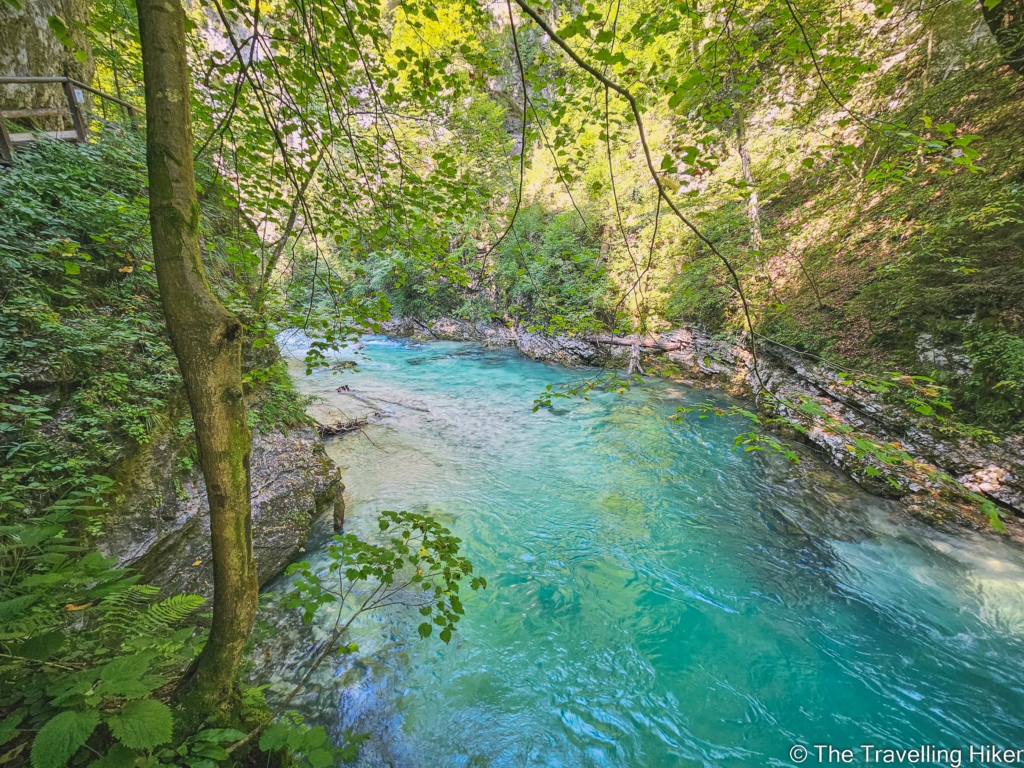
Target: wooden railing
point(72, 91)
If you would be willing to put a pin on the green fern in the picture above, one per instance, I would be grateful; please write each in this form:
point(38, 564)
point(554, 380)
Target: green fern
point(167, 614)
point(133, 612)
point(120, 613)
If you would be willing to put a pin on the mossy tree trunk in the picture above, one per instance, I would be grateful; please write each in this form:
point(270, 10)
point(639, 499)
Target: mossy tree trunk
point(207, 341)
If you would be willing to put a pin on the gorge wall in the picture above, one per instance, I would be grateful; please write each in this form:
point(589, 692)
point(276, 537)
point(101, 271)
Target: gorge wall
point(29, 48)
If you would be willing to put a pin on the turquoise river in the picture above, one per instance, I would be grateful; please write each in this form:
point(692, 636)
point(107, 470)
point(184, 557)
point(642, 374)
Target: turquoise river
point(654, 598)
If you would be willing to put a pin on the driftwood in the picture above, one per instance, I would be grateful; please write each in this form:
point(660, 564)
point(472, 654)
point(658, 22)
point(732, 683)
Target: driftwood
point(331, 430)
point(626, 341)
point(342, 427)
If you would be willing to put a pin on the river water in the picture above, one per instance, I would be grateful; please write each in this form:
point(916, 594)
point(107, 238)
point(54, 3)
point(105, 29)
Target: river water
point(654, 598)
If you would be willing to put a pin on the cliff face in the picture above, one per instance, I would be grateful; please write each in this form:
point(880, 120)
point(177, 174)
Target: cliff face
point(159, 523)
point(28, 47)
point(994, 470)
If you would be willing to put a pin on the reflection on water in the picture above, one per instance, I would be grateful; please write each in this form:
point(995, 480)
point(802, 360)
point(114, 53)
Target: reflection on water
point(655, 598)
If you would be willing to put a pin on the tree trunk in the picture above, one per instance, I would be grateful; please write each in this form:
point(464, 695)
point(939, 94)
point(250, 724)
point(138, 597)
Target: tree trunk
point(207, 341)
point(1006, 22)
point(753, 212)
point(634, 351)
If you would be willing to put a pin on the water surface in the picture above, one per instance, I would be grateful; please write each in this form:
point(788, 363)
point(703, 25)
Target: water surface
point(654, 598)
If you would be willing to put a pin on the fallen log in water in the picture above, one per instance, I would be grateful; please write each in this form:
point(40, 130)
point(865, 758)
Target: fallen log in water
point(342, 427)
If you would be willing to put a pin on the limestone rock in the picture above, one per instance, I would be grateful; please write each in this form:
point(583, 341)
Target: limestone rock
point(159, 524)
point(28, 47)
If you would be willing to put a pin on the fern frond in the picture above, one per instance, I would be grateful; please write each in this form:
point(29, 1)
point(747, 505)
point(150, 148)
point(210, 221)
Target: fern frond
point(133, 612)
point(121, 612)
point(162, 616)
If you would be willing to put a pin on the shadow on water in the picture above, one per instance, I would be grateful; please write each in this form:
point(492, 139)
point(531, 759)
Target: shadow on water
point(655, 598)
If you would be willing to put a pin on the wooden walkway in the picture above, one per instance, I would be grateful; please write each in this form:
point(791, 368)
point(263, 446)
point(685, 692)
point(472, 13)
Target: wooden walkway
point(73, 92)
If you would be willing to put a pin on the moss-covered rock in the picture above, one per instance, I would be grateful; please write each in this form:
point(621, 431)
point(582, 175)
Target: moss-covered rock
point(159, 520)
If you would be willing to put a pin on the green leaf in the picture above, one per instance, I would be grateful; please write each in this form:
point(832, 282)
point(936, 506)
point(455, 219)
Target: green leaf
point(274, 737)
point(315, 737)
point(11, 608)
point(119, 756)
point(425, 629)
point(60, 30)
point(318, 758)
point(694, 79)
point(993, 516)
point(126, 676)
point(446, 635)
point(9, 726)
point(296, 739)
point(70, 268)
point(142, 724)
point(219, 735)
point(31, 535)
point(41, 647)
point(14, 4)
point(62, 736)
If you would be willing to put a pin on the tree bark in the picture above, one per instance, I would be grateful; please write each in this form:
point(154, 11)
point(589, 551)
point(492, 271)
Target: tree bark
point(753, 212)
point(207, 341)
point(634, 350)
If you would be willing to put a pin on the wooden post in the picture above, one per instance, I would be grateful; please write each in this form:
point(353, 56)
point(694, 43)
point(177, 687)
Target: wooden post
point(6, 148)
point(76, 113)
point(133, 121)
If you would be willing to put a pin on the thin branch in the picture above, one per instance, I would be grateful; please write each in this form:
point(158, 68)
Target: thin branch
point(244, 65)
point(271, 265)
point(821, 76)
point(628, 96)
point(522, 155)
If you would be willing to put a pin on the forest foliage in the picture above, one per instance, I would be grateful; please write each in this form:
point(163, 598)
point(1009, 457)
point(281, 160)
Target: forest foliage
point(840, 178)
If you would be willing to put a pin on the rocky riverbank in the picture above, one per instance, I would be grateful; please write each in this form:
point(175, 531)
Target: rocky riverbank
point(992, 470)
point(159, 521)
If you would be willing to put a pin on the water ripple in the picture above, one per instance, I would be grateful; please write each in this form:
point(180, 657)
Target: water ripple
point(655, 599)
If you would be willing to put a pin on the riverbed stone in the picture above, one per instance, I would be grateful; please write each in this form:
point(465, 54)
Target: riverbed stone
point(159, 522)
